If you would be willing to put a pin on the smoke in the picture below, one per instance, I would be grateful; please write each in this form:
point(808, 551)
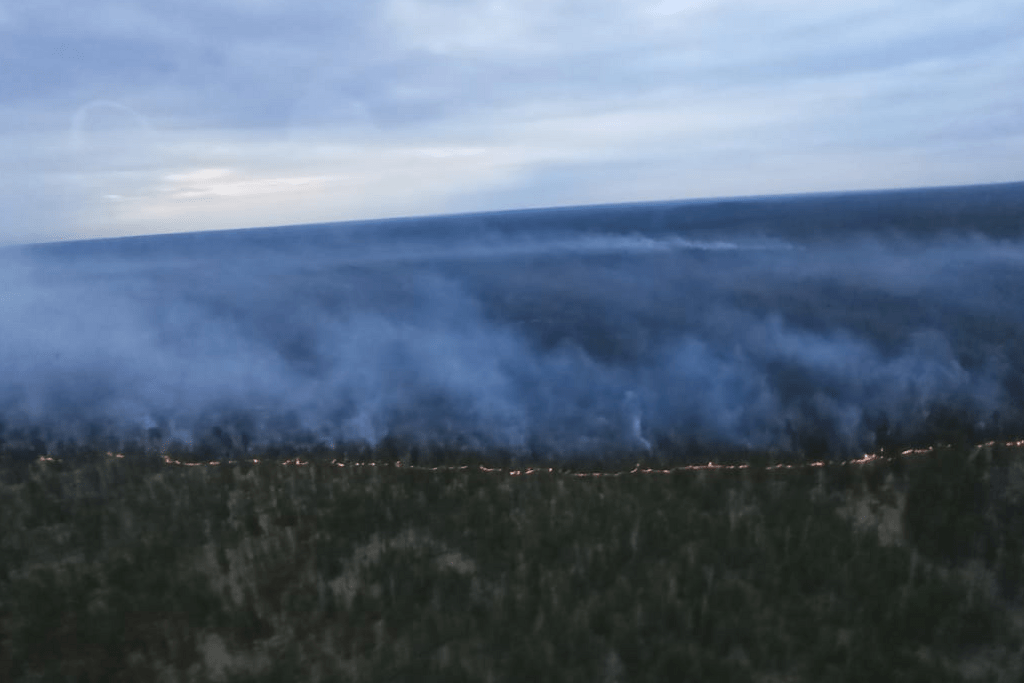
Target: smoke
point(561, 331)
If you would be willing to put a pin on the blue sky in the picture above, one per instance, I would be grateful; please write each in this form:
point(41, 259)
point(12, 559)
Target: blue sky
point(124, 118)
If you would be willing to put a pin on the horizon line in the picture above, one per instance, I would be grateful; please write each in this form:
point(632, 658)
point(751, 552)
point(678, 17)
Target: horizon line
point(522, 210)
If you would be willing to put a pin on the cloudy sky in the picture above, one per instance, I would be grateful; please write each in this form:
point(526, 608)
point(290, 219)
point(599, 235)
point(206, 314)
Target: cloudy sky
point(138, 117)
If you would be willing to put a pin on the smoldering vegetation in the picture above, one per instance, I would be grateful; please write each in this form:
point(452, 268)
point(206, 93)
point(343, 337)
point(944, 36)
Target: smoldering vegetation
point(826, 324)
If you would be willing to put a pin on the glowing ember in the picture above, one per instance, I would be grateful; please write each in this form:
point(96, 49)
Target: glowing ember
point(637, 469)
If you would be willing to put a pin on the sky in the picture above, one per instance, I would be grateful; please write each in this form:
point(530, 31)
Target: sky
point(121, 118)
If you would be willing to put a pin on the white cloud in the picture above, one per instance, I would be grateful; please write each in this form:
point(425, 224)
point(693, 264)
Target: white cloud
point(212, 115)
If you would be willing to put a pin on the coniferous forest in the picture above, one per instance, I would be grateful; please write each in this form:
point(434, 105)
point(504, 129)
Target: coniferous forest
point(387, 565)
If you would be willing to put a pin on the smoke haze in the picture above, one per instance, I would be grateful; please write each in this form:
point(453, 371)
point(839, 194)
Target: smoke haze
point(757, 323)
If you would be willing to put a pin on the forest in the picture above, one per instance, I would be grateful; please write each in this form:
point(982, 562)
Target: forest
point(374, 564)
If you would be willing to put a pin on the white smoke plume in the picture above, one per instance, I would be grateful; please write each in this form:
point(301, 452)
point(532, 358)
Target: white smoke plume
point(758, 324)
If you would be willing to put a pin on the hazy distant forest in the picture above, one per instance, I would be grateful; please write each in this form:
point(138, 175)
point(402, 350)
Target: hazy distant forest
point(823, 324)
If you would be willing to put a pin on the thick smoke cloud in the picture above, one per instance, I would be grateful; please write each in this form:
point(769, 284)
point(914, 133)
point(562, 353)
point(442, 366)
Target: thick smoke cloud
point(757, 324)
